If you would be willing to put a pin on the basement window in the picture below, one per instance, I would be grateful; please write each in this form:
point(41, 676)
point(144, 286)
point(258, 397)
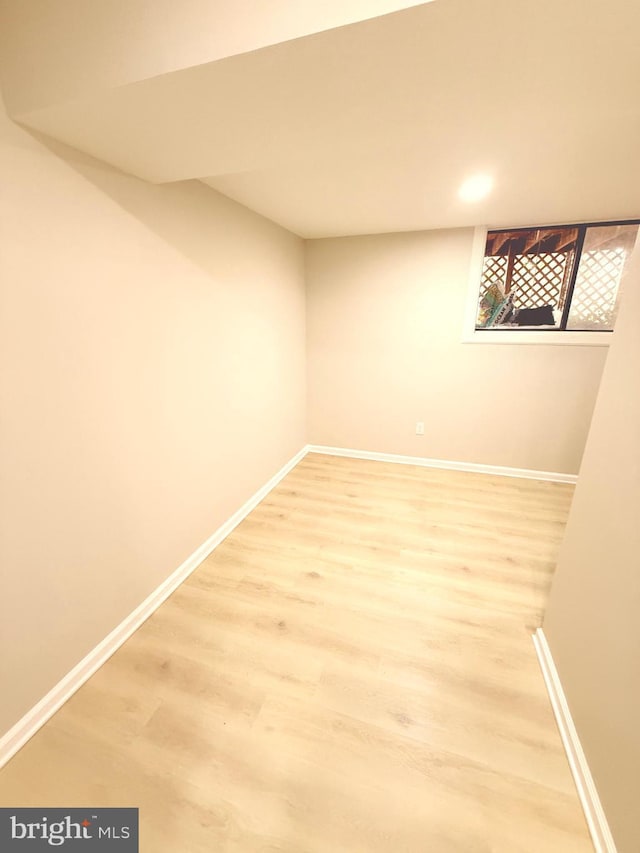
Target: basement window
point(557, 279)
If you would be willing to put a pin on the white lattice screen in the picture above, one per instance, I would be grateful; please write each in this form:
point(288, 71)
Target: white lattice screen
point(494, 271)
point(537, 279)
point(594, 297)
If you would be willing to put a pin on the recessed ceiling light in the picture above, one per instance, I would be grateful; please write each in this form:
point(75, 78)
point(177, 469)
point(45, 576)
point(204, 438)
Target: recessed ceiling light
point(476, 187)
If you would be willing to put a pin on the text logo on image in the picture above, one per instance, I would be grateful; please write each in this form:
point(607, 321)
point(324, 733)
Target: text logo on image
point(103, 830)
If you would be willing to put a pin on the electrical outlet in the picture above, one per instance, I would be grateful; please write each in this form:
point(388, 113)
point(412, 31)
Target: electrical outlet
point(419, 427)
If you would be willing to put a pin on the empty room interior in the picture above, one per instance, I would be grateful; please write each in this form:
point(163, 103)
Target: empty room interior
point(320, 426)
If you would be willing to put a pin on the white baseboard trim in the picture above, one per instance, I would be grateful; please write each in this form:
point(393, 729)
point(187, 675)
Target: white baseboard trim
point(593, 811)
point(26, 727)
point(496, 470)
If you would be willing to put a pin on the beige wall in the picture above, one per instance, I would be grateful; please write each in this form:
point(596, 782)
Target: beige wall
point(151, 379)
point(384, 330)
point(593, 619)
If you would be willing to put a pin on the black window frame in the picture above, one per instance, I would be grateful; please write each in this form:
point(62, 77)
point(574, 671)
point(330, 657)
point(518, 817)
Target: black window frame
point(582, 231)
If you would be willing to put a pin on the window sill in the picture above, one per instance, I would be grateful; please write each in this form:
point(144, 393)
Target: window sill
point(583, 339)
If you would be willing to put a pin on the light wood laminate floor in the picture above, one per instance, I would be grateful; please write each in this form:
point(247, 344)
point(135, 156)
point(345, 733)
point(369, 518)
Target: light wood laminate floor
point(351, 670)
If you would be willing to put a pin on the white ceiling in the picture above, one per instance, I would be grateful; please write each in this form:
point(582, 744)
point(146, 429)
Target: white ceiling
point(371, 127)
